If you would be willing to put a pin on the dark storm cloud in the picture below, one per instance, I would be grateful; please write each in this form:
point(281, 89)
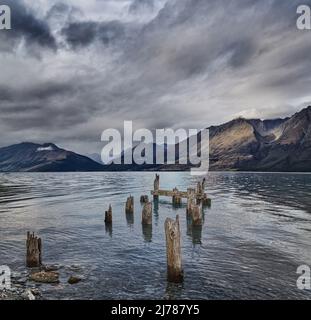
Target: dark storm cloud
point(43, 91)
point(141, 5)
point(59, 8)
point(81, 34)
point(26, 26)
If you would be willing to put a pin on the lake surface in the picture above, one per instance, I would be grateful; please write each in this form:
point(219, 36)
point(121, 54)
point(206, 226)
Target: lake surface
point(255, 235)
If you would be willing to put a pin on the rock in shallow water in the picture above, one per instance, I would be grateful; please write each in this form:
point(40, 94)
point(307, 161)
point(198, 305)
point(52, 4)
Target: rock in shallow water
point(28, 295)
point(74, 280)
point(45, 277)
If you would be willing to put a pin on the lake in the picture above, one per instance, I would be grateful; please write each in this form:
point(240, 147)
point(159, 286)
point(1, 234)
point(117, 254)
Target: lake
point(255, 235)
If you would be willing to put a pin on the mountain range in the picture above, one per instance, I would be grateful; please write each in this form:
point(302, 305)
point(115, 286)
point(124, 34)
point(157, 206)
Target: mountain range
point(256, 145)
point(32, 157)
point(240, 145)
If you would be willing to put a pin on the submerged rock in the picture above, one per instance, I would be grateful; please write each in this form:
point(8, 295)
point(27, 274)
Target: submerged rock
point(45, 277)
point(50, 268)
point(74, 280)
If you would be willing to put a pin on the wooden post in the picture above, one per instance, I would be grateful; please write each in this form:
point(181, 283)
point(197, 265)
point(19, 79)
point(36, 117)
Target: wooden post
point(206, 202)
point(156, 187)
point(190, 200)
point(176, 199)
point(108, 215)
point(144, 199)
point(34, 251)
point(199, 188)
point(129, 207)
point(147, 214)
point(173, 250)
point(196, 214)
point(157, 183)
point(203, 185)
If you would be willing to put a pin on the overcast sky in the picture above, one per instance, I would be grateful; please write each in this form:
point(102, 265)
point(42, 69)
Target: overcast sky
point(70, 69)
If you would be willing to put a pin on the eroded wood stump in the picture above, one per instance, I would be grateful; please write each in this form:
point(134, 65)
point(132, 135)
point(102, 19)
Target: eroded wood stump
point(190, 200)
point(196, 214)
point(206, 202)
point(34, 251)
point(147, 214)
point(157, 183)
point(173, 250)
point(144, 199)
point(156, 187)
point(199, 188)
point(108, 215)
point(129, 206)
point(176, 199)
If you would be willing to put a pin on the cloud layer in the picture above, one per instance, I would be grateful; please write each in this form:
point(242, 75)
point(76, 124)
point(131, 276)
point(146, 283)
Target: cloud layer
point(71, 69)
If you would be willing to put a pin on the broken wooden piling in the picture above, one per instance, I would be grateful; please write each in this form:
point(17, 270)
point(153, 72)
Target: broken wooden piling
point(129, 206)
point(147, 214)
point(190, 199)
point(34, 251)
point(176, 198)
point(173, 250)
point(197, 193)
point(156, 187)
point(108, 215)
point(196, 215)
point(144, 199)
point(206, 202)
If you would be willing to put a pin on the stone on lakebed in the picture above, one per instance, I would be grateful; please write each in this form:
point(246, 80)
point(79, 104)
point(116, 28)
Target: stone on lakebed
point(45, 277)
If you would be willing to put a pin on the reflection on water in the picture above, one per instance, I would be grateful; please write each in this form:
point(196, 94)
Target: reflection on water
point(147, 232)
point(108, 228)
point(255, 235)
point(194, 232)
point(129, 219)
point(156, 211)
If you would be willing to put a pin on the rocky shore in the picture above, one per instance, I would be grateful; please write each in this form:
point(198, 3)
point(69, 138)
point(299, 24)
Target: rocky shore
point(26, 285)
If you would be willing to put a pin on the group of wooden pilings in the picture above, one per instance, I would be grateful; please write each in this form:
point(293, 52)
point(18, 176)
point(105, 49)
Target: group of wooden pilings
point(173, 238)
point(195, 198)
point(129, 209)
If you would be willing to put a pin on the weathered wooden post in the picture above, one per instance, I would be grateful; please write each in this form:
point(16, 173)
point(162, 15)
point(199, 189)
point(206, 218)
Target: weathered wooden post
point(190, 199)
point(176, 199)
point(206, 202)
point(173, 250)
point(129, 206)
point(196, 215)
point(147, 214)
point(108, 215)
point(34, 251)
point(156, 187)
point(199, 188)
point(203, 185)
point(157, 183)
point(199, 193)
point(144, 199)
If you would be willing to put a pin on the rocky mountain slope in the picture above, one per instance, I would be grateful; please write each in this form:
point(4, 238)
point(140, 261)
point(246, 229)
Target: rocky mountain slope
point(271, 145)
point(31, 157)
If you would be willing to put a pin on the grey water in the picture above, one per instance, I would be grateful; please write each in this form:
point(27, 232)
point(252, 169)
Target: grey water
point(255, 235)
